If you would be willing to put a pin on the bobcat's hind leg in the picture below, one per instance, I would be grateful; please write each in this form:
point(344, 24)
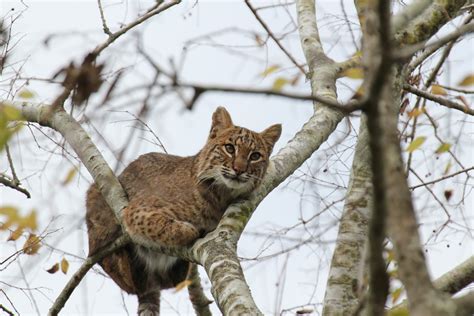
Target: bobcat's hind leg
point(149, 303)
point(153, 221)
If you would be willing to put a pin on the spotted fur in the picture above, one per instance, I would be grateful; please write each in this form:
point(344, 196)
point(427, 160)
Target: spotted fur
point(175, 200)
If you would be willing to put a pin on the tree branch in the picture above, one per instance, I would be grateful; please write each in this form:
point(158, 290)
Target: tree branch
point(379, 79)
point(156, 9)
point(465, 304)
point(349, 107)
point(196, 294)
point(80, 141)
point(457, 278)
point(442, 178)
point(429, 22)
point(270, 33)
point(79, 274)
point(344, 280)
point(390, 183)
point(14, 185)
point(440, 100)
point(409, 13)
point(408, 51)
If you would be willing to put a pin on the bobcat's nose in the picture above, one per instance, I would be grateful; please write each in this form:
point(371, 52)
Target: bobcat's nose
point(239, 166)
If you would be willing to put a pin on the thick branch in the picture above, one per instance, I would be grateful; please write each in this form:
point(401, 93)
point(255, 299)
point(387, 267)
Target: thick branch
point(409, 13)
point(393, 196)
point(465, 304)
point(309, 35)
point(408, 51)
point(342, 290)
point(458, 278)
point(429, 22)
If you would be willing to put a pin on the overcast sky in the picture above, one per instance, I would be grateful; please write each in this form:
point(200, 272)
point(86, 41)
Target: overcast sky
point(232, 59)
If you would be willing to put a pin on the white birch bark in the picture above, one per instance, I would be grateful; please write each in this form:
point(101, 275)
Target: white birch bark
point(344, 280)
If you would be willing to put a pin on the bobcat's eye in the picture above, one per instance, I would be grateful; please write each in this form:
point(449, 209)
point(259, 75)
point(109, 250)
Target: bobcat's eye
point(230, 148)
point(255, 156)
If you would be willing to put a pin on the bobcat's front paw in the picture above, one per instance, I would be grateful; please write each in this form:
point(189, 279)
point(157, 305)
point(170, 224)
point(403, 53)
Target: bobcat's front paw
point(184, 233)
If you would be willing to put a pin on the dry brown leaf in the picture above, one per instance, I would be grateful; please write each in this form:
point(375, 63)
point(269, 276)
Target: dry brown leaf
point(32, 245)
point(182, 285)
point(354, 73)
point(438, 90)
point(69, 176)
point(467, 81)
point(15, 234)
point(64, 265)
point(415, 144)
point(53, 269)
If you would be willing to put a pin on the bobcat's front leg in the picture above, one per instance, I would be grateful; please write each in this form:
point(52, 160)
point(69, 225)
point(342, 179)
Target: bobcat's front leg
point(155, 222)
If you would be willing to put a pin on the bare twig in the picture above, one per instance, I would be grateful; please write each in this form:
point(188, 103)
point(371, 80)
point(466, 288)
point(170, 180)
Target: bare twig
point(465, 91)
point(156, 9)
point(10, 162)
point(442, 101)
point(442, 178)
point(351, 106)
point(14, 185)
point(273, 37)
point(6, 310)
point(102, 18)
point(85, 267)
point(431, 78)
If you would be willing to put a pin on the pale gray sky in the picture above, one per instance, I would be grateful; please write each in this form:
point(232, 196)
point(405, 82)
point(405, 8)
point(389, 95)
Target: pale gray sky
point(77, 29)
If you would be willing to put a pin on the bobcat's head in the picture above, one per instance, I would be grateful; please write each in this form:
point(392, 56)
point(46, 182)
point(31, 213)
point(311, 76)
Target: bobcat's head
point(235, 158)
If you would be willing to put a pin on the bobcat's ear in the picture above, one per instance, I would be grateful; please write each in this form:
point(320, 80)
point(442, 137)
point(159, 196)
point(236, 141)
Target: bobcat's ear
point(271, 135)
point(220, 120)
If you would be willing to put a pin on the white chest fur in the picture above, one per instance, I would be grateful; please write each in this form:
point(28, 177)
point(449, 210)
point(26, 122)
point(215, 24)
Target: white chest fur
point(155, 261)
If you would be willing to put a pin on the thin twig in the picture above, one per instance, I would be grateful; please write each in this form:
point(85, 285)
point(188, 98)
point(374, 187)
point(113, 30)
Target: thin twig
point(14, 185)
point(102, 18)
point(431, 78)
point(442, 101)
point(10, 162)
point(273, 37)
point(156, 9)
point(3, 308)
point(465, 91)
point(85, 267)
point(349, 107)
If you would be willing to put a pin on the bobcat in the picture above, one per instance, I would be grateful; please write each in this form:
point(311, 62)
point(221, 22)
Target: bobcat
point(175, 200)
